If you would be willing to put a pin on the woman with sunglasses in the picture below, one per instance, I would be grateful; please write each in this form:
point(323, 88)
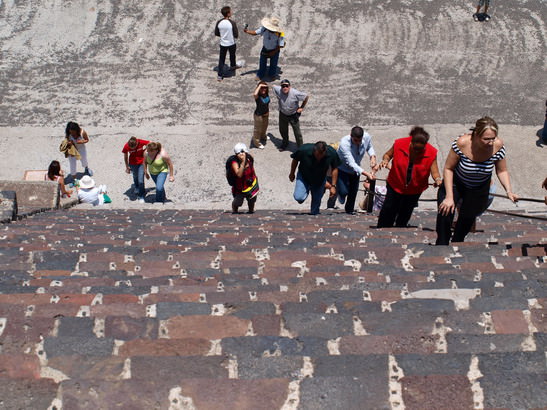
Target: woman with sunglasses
point(158, 165)
point(467, 174)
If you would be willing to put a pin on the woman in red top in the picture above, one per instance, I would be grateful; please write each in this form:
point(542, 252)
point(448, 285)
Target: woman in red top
point(246, 183)
point(133, 155)
point(414, 159)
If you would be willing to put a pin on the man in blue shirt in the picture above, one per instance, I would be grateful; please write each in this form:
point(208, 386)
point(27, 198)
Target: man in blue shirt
point(351, 151)
point(273, 42)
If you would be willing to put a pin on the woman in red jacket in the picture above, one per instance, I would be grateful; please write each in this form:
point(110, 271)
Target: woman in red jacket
point(414, 159)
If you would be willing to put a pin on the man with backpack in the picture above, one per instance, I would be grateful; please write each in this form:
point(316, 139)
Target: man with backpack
point(226, 29)
point(241, 176)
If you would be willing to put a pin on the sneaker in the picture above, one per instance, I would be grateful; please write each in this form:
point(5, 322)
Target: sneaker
point(260, 146)
point(486, 18)
point(136, 191)
point(475, 17)
point(219, 78)
point(88, 171)
point(140, 200)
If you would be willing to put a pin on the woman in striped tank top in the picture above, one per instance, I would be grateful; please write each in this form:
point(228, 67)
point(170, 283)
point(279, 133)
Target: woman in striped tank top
point(467, 173)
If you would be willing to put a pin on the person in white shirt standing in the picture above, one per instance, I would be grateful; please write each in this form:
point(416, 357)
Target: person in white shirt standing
point(226, 29)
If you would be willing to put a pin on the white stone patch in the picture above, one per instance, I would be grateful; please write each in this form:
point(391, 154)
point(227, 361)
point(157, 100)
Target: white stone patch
point(78, 273)
point(275, 353)
point(358, 328)
point(478, 276)
point(395, 374)
point(233, 371)
point(179, 402)
point(405, 294)
point(262, 254)
point(283, 288)
point(151, 310)
point(98, 327)
point(220, 287)
point(372, 259)
point(529, 344)
point(154, 289)
point(183, 273)
point(487, 323)
point(40, 291)
point(128, 258)
point(293, 397)
point(409, 255)
point(250, 331)
point(264, 281)
point(218, 310)
point(320, 282)
point(215, 349)
point(163, 330)
point(126, 371)
point(360, 279)
point(499, 285)
point(307, 368)
point(50, 373)
point(3, 322)
point(354, 263)
point(119, 283)
point(460, 297)
point(54, 299)
point(26, 283)
point(431, 277)
point(117, 345)
point(85, 290)
point(84, 311)
point(277, 308)
point(332, 309)
point(56, 283)
point(175, 265)
point(202, 298)
point(333, 255)
point(473, 375)
point(252, 296)
point(495, 263)
point(534, 304)
point(302, 297)
point(112, 266)
point(333, 346)
point(386, 306)
point(56, 404)
point(439, 329)
point(29, 310)
point(367, 296)
point(302, 266)
point(284, 332)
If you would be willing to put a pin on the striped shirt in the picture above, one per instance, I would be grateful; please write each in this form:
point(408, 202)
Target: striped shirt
point(474, 174)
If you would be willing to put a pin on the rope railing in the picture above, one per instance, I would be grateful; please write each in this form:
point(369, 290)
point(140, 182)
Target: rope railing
point(372, 192)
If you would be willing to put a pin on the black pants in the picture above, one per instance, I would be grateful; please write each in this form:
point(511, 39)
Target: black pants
point(474, 201)
point(348, 186)
point(222, 58)
point(397, 209)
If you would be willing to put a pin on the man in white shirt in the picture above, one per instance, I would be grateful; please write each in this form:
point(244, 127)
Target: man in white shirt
point(226, 29)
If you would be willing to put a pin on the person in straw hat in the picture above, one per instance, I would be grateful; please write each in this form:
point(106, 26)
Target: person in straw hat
point(273, 42)
point(88, 193)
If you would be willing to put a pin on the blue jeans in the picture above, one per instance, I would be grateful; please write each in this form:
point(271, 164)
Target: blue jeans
point(138, 178)
point(159, 180)
point(263, 63)
point(544, 132)
point(302, 189)
point(348, 186)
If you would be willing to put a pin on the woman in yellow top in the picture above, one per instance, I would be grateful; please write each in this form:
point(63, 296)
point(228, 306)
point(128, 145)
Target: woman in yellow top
point(158, 164)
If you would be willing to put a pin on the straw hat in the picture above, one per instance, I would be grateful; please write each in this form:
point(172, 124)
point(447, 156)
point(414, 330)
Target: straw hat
point(87, 182)
point(272, 24)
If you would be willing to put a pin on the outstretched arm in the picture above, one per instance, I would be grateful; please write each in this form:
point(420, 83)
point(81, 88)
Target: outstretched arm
point(503, 176)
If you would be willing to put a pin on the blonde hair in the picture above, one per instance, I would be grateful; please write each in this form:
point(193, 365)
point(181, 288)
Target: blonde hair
point(484, 124)
point(155, 146)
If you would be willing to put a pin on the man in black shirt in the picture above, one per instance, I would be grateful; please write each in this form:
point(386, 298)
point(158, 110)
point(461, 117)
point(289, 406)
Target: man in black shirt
point(315, 160)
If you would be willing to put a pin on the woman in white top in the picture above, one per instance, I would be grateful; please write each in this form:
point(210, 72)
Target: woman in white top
point(78, 137)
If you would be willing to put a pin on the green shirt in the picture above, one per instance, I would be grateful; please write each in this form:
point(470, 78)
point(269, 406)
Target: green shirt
point(314, 172)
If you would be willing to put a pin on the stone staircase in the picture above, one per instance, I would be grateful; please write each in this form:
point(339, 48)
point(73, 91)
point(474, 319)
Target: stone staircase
point(143, 309)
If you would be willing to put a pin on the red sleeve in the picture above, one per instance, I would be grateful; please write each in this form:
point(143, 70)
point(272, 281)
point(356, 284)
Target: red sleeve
point(125, 149)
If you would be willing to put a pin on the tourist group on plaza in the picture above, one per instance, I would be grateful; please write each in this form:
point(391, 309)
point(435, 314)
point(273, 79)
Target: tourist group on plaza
point(464, 185)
